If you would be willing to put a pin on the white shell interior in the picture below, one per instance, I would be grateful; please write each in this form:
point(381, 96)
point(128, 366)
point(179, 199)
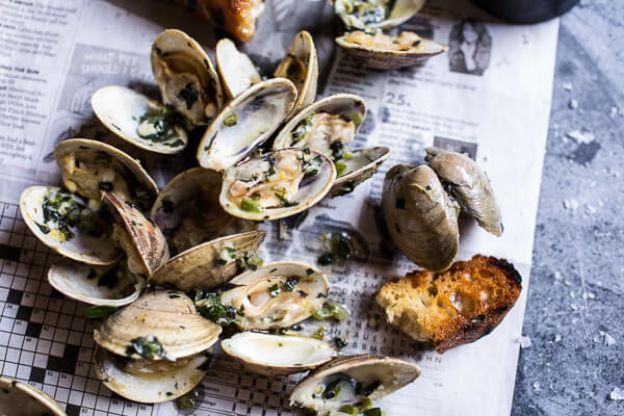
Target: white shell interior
point(277, 350)
point(149, 388)
point(82, 247)
point(120, 109)
point(81, 282)
point(363, 160)
point(237, 71)
point(257, 112)
point(20, 399)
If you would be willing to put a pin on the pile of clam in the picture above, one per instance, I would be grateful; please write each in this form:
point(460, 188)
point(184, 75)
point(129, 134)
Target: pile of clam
point(165, 270)
point(373, 38)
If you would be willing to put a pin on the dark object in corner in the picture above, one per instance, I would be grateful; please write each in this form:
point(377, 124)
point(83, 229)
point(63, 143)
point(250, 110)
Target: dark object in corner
point(526, 11)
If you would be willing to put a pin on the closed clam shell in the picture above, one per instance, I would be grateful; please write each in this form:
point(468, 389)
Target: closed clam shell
point(90, 166)
point(186, 77)
point(200, 268)
point(300, 65)
point(245, 123)
point(389, 14)
point(266, 299)
point(144, 243)
point(420, 216)
point(382, 375)
point(385, 59)
point(107, 285)
point(236, 70)
point(469, 185)
point(170, 382)
point(274, 355)
point(21, 399)
point(168, 315)
point(188, 210)
point(124, 112)
point(282, 182)
point(81, 247)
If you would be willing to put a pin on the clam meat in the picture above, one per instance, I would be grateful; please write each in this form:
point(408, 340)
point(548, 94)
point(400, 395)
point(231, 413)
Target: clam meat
point(375, 14)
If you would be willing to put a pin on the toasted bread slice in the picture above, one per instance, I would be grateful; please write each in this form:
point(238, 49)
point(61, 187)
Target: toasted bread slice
point(455, 307)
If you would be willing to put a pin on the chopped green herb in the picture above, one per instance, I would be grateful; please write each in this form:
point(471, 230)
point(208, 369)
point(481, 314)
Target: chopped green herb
point(375, 411)
point(226, 256)
point(337, 150)
point(43, 228)
point(274, 290)
point(331, 311)
point(97, 312)
point(290, 283)
point(249, 261)
point(356, 118)
point(251, 205)
point(158, 126)
point(148, 347)
point(332, 391)
point(188, 401)
point(231, 120)
point(340, 248)
point(309, 271)
point(319, 333)
point(339, 343)
point(349, 409)
point(302, 129)
point(312, 166)
point(341, 168)
point(280, 194)
point(210, 307)
point(189, 95)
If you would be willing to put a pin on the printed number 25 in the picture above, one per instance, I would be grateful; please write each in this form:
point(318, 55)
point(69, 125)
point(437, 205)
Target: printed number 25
point(392, 98)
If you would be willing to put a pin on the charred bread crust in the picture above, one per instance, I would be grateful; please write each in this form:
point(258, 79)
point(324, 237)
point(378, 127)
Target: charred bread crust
point(454, 307)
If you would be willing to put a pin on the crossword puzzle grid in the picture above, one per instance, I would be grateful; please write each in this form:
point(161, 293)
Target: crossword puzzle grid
point(45, 341)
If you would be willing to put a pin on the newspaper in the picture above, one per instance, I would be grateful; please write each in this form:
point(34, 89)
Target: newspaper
point(489, 97)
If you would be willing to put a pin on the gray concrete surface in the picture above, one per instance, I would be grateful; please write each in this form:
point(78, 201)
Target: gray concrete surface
point(575, 312)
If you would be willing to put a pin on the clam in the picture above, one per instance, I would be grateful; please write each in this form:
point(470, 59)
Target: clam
point(144, 382)
point(21, 399)
point(376, 14)
point(90, 167)
point(347, 385)
point(469, 185)
point(274, 355)
point(277, 184)
point(236, 70)
point(245, 123)
point(186, 77)
point(144, 243)
point(278, 295)
point(188, 210)
point(421, 218)
point(327, 127)
point(138, 120)
point(65, 223)
point(153, 349)
point(96, 285)
point(300, 65)
point(210, 264)
point(382, 51)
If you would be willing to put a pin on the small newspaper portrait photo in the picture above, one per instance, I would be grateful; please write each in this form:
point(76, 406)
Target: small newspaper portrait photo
point(470, 47)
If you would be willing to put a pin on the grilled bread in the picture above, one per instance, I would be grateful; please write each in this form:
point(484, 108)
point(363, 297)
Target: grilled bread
point(237, 17)
point(454, 307)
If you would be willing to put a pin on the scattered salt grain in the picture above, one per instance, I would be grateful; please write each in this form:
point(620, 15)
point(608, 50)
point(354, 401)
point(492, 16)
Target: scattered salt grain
point(570, 204)
point(581, 136)
point(525, 342)
point(558, 337)
point(616, 394)
point(567, 86)
point(614, 112)
point(607, 339)
point(537, 386)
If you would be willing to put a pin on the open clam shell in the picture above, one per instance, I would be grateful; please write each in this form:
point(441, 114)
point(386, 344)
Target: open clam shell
point(138, 120)
point(188, 210)
point(300, 65)
point(382, 51)
point(245, 123)
point(332, 121)
point(346, 381)
point(56, 218)
point(170, 381)
point(90, 167)
point(372, 15)
point(204, 266)
point(107, 285)
point(236, 70)
point(186, 77)
point(420, 216)
point(274, 355)
point(277, 295)
point(361, 166)
point(469, 185)
point(144, 243)
point(277, 184)
point(167, 316)
point(21, 399)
